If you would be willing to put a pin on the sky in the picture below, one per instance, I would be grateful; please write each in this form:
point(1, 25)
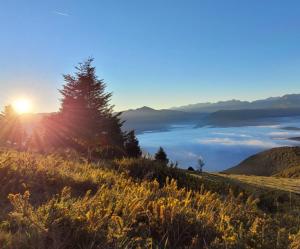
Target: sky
point(157, 53)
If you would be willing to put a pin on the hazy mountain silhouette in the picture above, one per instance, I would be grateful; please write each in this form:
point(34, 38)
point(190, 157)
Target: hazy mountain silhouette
point(248, 117)
point(286, 101)
point(148, 119)
point(223, 113)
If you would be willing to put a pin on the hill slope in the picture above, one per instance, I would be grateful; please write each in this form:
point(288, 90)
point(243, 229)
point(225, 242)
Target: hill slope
point(270, 182)
point(267, 163)
point(55, 202)
point(291, 172)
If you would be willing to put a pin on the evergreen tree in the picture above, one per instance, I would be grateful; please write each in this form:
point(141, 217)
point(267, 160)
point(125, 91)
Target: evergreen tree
point(54, 132)
point(161, 156)
point(12, 132)
point(132, 147)
point(86, 115)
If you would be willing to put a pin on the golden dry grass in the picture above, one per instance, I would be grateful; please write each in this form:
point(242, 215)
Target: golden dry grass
point(284, 184)
point(56, 202)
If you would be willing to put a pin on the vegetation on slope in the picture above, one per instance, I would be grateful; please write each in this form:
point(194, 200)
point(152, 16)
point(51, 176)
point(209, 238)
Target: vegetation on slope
point(273, 182)
point(62, 203)
point(270, 162)
point(291, 172)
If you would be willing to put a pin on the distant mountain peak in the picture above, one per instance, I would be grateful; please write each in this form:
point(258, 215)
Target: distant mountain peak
point(145, 108)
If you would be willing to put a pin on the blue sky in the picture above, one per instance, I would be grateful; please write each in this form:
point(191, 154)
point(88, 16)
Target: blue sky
point(159, 53)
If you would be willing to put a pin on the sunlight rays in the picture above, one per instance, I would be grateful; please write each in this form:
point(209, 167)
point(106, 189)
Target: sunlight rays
point(22, 105)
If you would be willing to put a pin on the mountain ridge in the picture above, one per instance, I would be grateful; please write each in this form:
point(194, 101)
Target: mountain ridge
point(248, 117)
point(284, 101)
point(149, 119)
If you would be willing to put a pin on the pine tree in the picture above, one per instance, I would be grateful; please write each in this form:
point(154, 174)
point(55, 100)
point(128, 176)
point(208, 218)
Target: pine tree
point(55, 132)
point(87, 116)
point(132, 147)
point(161, 156)
point(12, 132)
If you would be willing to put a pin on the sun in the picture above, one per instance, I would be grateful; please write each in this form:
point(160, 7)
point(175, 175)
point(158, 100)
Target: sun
point(22, 106)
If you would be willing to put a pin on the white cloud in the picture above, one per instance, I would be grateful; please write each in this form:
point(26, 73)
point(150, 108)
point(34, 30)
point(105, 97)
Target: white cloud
point(231, 134)
point(61, 13)
point(283, 133)
point(269, 126)
point(231, 142)
point(192, 155)
point(279, 133)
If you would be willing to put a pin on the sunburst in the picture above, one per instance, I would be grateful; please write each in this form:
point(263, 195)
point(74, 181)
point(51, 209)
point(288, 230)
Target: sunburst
point(22, 106)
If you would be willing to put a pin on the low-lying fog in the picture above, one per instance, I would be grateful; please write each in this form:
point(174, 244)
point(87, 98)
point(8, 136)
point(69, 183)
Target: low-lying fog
point(221, 148)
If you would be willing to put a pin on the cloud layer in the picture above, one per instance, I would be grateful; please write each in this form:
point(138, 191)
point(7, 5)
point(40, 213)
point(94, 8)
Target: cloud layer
point(232, 142)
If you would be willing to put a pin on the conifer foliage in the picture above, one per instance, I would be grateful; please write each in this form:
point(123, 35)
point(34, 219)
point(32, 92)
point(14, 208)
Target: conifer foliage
point(86, 117)
point(12, 133)
point(161, 156)
point(132, 145)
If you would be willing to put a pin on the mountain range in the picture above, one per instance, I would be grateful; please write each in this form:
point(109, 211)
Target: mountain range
point(223, 113)
point(148, 119)
point(285, 101)
point(248, 117)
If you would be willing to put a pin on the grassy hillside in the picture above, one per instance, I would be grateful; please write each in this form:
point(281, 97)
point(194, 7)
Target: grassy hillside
point(267, 182)
point(55, 201)
point(270, 162)
point(291, 172)
point(274, 195)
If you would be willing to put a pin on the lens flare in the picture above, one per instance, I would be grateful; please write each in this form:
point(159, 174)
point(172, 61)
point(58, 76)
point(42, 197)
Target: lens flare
point(22, 106)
